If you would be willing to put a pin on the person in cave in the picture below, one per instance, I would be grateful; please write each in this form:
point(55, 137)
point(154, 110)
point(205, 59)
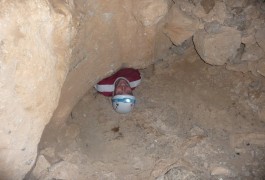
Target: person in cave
point(120, 87)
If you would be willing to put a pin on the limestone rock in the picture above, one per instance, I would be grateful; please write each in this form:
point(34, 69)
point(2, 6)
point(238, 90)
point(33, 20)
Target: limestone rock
point(34, 59)
point(178, 173)
point(248, 39)
point(51, 49)
point(252, 53)
point(199, 11)
point(236, 3)
point(181, 49)
point(261, 67)
point(260, 38)
point(237, 58)
point(72, 131)
point(186, 6)
point(240, 67)
point(48, 152)
point(150, 12)
point(197, 131)
point(252, 67)
point(239, 140)
point(236, 18)
point(179, 26)
point(213, 27)
point(207, 5)
point(261, 113)
point(61, 170)
point(41, 167)
point(251, 12)
point(217, 171)
point(217, 48)
point(218, 13)
point(107, 36)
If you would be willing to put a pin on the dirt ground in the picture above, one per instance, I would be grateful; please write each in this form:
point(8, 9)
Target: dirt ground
point(192, 121)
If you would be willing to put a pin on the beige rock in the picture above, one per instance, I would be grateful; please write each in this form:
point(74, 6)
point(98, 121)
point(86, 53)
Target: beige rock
point(217, 48)
point(223, 171)
point(41, 167)
point(197, 131)
point(48, 153)
point(104, 44)
point(41, 41)
point(240, 67)
point(199, 11)
point(207, 5)
point(252, 67)
point(34, 59)
point(52, 49)
point(179, 26)
point(62, 170)
point(72, 131)
point(150, 12)
point(236, 3)
point(239, 140)
point(260, 38)
point(218, 13)
point(261, 113)
point(248, 39)
point(252, 53)
point(251, 12)
point(261, 67)
point(185, 6)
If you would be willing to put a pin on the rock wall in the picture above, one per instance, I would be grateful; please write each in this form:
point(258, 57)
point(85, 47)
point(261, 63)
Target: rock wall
point(52, 52)
point(44, 43)
point(35, 38)
point(112, 34)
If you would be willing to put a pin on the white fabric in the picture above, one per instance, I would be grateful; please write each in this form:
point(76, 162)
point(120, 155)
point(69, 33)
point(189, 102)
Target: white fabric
point(110, 87)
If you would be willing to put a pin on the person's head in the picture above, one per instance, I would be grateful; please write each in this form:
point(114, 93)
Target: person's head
point(123, 100)
point(122, 87)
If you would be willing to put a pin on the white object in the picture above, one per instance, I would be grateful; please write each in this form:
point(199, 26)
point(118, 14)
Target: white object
point(123, 103)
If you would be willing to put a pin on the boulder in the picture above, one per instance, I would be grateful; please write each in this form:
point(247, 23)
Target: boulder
point(179, 26)
point(217, 47)
point(149, 12)
point(218, 13)
point(252, 52)
point(35, 53)
point(207, 5)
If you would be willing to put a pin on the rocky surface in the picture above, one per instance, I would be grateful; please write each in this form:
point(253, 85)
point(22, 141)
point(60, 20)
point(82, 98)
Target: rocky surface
point(53, 51)
point(45, 46)
point(192, 121)
point(217, 47)
point(34, 60)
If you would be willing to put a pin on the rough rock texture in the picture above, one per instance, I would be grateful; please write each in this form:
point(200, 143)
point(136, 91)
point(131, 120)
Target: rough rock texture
point(217, 47)
point(34, 55)
point(111, 36)
point(260, 37)
point(179, 26)
point(252, 53)
point(52, 52)
point(261, 67)
point(42, 41)
point(149, 12)
point(192, 121)
point(218, 13)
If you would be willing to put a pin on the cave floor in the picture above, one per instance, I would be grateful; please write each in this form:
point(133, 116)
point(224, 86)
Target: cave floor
point(192, 121)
